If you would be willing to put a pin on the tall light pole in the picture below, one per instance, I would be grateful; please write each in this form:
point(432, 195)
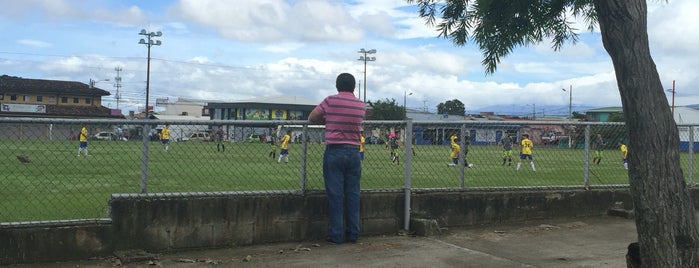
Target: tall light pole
point(405, 108)
point(570, 102)
point(570, 114)
point(146, 127)
point(365, 58)
point(359, 88)
point(149, 44)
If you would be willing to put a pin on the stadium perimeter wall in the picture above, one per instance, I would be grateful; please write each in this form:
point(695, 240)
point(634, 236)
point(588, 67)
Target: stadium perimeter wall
point(171, 222)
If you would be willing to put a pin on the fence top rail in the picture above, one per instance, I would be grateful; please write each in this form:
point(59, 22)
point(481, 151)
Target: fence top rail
point(517, 122)
point(30, 120)
point(274, 123)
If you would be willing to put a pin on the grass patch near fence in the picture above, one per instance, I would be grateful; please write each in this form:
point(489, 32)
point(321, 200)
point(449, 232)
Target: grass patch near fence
point(59, 185)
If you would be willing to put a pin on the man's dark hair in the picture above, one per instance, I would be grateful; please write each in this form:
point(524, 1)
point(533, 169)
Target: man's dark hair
point(345, 82)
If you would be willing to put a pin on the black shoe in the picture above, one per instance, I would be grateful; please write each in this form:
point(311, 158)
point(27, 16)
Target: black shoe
point(329, 240)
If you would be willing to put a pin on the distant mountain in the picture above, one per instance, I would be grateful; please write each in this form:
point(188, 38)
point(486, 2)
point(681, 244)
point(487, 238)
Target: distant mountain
point(527, 110)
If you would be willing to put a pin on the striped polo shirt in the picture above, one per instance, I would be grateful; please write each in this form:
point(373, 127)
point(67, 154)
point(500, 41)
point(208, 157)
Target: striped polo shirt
point(343, 114)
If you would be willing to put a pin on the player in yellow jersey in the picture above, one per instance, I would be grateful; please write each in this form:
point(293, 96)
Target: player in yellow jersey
point(83, 140)
point(455, 148)
point(165, 137)
point(361, 147)
point(285, 147)
point(624, 152)
point(526, 152)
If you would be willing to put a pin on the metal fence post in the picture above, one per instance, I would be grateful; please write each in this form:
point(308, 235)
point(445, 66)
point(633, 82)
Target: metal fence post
point(586, 168)
point(144, 158)
point(462, 157)
point(690, 151)
point(408, 166)
point(304, 153)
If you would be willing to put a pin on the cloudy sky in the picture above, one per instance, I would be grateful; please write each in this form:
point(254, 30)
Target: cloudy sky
point(225, 50)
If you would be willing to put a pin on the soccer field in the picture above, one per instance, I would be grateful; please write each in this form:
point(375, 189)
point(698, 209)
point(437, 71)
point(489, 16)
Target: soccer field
point(59, 185)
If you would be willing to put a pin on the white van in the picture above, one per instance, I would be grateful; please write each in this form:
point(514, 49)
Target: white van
point(198, 136)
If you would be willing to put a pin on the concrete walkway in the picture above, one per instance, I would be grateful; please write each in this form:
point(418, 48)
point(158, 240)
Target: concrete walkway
point(587, 242)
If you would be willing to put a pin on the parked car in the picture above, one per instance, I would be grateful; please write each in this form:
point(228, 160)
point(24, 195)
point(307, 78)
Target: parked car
point(198, 136)
point(107, 136)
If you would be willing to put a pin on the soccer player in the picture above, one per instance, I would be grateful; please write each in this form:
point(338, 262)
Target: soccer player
point(272, 150)
point(219, 136)
point(361, 147)
point(506, 146)
point(624, 151)
point(455, 148)
point(83, 140)
point(598, 145)
point(285, 147)
point(393, 141)
point(165, 137)
point(526, 152)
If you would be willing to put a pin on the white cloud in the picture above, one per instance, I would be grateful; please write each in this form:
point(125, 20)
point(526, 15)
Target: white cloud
point(33, 43)
point(272, 20)
point(285, 48)
point(131, 15)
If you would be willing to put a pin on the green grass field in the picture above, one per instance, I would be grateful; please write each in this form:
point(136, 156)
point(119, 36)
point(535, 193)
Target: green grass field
point(58, 185)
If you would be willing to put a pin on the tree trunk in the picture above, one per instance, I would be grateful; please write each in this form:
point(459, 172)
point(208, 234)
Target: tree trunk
point(665, 216)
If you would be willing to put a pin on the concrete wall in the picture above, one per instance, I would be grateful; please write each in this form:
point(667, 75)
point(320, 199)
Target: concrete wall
point(165, 222)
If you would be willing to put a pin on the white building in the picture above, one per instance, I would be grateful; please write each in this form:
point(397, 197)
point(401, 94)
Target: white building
point(185, 110)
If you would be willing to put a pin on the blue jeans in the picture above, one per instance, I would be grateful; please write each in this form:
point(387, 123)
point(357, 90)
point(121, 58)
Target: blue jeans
point(342, 169)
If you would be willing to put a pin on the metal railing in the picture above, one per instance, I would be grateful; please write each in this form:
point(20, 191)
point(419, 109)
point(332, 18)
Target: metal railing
point(44, 177)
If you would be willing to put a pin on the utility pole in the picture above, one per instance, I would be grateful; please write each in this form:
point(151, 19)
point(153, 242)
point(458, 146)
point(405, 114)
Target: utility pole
point(570, 102)
point(117, 85)
point(534, 111)
point(673, 98)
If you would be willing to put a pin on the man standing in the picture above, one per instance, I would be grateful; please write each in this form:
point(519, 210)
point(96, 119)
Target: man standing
point(362, 140)
point(455, 148)
point(220, 138)
point(83, 140)
point(342, 114)
point(393, 143)
point(526, 152)
point(624, 152)
point(598, 146)
point(506, 146)
point(165, 137)
point(285, 147)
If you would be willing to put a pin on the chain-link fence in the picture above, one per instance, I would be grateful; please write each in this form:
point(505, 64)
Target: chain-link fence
point(45, 176)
